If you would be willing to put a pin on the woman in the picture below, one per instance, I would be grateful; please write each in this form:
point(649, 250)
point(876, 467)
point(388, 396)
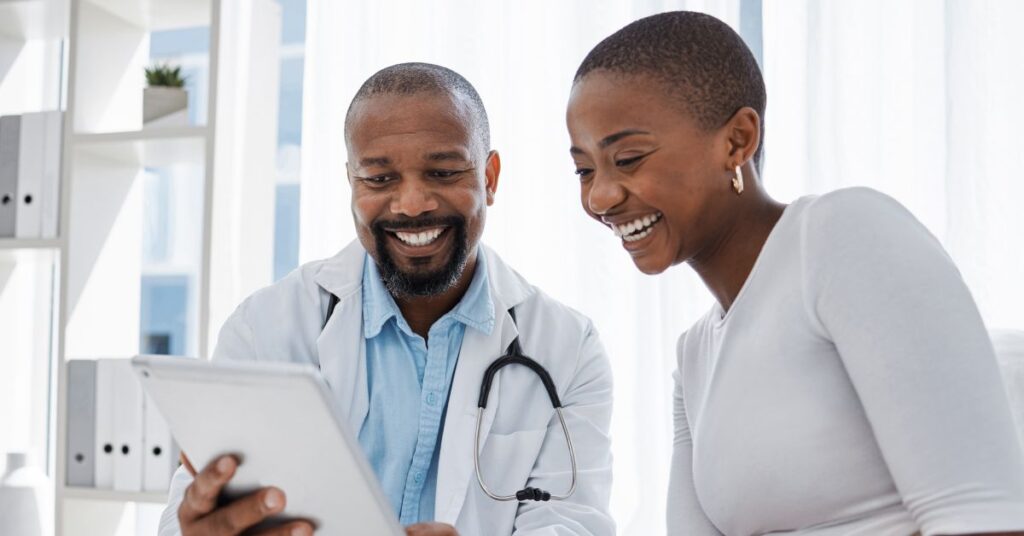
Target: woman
point(844, 382)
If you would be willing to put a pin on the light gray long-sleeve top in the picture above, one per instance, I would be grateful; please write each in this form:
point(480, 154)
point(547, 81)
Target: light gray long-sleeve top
point(850, 389)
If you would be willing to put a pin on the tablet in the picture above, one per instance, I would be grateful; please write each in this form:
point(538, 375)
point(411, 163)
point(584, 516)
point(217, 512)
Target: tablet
point(282, 423)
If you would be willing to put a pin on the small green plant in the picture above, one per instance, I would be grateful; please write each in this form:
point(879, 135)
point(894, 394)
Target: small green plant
point(165, 76)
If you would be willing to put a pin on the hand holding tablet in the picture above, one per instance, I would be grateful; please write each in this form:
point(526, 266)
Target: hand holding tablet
point(199, 512)
point(274, 454)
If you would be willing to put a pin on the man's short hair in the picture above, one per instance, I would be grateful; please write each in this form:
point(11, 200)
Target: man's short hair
point(425, 78)
point(699, 59)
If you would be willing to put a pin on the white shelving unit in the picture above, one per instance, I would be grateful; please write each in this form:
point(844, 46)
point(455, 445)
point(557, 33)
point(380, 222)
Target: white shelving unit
point(14, 244)
point(32, 33)
point(87, 57)
point(106, 153)
point(92, 494)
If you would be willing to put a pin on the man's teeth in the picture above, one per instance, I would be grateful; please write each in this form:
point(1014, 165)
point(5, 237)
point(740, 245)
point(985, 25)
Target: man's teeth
point(636, 229)
point(419, 239)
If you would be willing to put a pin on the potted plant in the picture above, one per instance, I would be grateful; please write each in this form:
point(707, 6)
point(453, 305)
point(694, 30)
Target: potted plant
point(165, 100)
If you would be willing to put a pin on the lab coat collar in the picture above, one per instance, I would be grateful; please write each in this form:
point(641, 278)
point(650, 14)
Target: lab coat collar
point(342, 352)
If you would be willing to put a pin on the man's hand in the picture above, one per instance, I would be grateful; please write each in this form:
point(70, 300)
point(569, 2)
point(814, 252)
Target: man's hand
point(199, 515)
point(430, 529)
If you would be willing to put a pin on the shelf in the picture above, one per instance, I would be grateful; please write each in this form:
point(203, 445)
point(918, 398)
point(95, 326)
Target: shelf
point(92, 494)
point(156, 15)
point(147, 148)
point(32, 254)
point(24, 243)
point(34, 19)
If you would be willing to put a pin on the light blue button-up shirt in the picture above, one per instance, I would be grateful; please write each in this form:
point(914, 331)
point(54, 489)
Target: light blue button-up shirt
point(409, 381)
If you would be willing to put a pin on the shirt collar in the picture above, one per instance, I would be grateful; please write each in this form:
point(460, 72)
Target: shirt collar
point(475, 309)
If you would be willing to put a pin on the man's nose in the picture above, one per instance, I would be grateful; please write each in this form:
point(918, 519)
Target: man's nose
point(413, 198)
point(605, 194)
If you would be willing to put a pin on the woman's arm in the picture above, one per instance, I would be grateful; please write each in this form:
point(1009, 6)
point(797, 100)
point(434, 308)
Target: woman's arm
point(919, 357)
point(685, 515)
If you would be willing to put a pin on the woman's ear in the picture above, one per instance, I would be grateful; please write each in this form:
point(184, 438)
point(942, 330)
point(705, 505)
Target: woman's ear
point(743, 132)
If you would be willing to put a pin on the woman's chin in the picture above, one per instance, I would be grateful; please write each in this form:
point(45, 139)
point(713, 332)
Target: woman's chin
point(650, 264)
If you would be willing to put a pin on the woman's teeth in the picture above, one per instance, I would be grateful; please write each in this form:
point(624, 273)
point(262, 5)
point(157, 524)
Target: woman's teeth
point(419, 239)
point(636, 229)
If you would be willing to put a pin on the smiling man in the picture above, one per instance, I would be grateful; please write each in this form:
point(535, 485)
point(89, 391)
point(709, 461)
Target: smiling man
point(404, 322)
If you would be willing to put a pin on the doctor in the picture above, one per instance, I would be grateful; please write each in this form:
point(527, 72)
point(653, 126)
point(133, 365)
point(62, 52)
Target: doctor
point(403, 324)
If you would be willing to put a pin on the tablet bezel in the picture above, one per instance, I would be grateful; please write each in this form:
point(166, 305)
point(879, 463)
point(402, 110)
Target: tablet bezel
point(239, 373)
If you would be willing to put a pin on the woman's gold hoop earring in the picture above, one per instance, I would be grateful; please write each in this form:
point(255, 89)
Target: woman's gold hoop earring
point(737, 181)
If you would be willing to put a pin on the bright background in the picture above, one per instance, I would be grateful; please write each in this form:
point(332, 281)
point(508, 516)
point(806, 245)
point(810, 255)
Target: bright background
point(919, 99)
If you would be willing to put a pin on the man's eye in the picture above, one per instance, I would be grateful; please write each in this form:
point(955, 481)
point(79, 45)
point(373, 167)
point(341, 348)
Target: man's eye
point(442, 173)
point(377, 180)
point(583, 172)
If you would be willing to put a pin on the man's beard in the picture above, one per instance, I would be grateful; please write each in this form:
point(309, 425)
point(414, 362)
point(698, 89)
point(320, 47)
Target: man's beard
point(426, 283)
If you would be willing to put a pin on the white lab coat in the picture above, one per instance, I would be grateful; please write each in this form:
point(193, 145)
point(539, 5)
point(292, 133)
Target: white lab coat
point(522, 441)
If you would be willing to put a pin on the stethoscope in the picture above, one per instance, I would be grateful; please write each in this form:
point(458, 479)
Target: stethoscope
point(514, 355)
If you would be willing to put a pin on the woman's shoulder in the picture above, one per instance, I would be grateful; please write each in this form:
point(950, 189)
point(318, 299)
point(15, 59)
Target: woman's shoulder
point(856, 216)
point(858, 204)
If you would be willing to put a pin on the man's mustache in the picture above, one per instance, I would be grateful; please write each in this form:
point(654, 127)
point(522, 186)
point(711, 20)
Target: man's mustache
point(406, 224)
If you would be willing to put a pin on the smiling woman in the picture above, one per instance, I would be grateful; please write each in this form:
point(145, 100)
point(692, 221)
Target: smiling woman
point(807, 400)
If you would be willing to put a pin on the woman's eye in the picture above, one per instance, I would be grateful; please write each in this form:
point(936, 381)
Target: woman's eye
point(583, 172)
point(627, 161)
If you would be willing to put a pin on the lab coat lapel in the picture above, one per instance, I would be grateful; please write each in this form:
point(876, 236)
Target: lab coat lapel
point(341, 346)
point(455, 465)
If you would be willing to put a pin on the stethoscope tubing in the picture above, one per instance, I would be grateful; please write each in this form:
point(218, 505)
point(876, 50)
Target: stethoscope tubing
point(479, 475)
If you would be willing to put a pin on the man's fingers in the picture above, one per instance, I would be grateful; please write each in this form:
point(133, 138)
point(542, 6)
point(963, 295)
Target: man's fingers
point(245, 512)
point(430, 529)
point(201, 495)
point(295, 528)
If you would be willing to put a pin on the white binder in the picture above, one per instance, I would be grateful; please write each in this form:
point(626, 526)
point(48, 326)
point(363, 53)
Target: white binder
point(158, 453)
point(50, 191)
point(30, 176)
point(104, 437)
point(10, 138)
point(127, 428)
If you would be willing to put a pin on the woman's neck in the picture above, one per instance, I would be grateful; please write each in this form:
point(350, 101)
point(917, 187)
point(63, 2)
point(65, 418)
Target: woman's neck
point(725, 265)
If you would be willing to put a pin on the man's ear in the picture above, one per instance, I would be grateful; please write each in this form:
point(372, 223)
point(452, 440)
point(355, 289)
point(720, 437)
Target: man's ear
point(743, 132)
point(491, 174)
point(348, 173)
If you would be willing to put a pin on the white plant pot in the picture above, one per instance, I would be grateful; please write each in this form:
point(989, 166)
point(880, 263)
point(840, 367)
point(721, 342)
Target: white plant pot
point(23, 498)
point(164, 107)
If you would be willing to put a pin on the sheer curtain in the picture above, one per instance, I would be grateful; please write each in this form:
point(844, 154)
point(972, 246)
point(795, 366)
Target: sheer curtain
point(893, 105)
point(920, 100)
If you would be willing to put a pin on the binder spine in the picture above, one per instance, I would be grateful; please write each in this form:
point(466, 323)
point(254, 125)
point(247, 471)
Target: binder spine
point(81, 423)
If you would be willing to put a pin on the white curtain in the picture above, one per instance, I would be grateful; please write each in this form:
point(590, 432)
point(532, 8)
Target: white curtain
point(918, 99)
point(847, 105)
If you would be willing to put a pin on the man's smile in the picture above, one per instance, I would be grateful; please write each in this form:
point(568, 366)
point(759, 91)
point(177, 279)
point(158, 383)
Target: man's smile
point(420, 243)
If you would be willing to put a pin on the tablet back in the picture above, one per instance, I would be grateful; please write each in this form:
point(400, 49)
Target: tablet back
point(280, 421)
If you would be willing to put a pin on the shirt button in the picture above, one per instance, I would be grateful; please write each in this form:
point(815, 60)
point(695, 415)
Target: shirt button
point(431, 399)
point(419, 477)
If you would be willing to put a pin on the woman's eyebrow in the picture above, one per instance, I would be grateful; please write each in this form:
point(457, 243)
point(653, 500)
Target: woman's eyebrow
point(611, 138)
